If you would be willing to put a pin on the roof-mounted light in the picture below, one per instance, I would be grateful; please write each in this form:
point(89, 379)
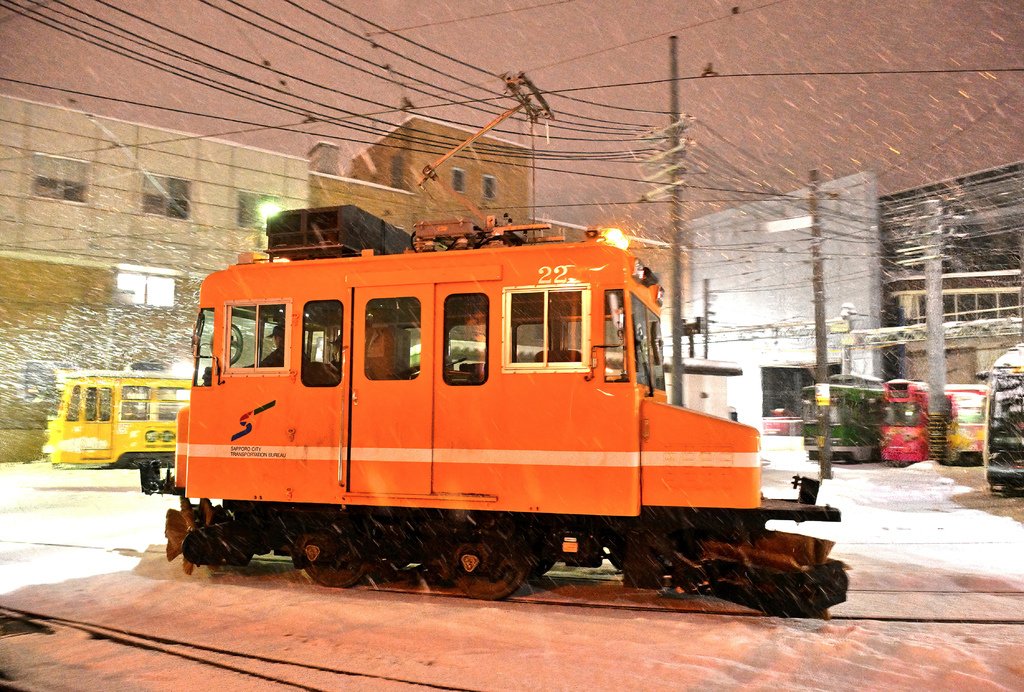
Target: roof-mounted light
point(609, 236)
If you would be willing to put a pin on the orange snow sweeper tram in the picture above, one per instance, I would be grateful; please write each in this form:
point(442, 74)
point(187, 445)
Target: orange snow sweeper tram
point(476, 408)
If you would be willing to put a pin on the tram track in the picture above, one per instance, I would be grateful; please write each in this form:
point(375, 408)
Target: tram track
point(544, 591)
point(203, 654)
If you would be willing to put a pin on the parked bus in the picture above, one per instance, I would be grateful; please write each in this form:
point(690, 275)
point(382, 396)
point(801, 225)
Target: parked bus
point(855, 418)
point(116, 419)
point(1004, 448)
point(967, 424)
point(905, 424)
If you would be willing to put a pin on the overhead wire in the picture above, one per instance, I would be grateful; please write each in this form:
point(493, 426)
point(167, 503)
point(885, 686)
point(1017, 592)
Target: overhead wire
point(268, 20)
point(437, 147)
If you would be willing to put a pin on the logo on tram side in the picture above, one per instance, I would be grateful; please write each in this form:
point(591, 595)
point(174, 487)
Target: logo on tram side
point(244, 420)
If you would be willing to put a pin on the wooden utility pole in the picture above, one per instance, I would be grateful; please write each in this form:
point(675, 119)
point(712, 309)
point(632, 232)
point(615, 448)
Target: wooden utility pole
point(820, 333)
point(1021, 309)
point(676, 250)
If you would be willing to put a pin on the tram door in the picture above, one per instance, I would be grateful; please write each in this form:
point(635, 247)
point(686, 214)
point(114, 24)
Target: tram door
point(391, 442)
point(97, 430)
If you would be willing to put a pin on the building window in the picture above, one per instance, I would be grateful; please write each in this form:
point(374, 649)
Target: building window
point(962, 305)
point(254, 209)
point(146, 289)
point(458, 180)
point(165, 196)
point(490, 187)
point(59, 178)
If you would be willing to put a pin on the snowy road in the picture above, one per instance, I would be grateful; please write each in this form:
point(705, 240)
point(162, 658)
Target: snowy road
point(921, 543)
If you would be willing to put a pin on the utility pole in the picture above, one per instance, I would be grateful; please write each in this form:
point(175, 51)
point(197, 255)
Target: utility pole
point(707, 315)
point(676, 250)
point(1022, 286)
point(820, 334)
point(938, 409)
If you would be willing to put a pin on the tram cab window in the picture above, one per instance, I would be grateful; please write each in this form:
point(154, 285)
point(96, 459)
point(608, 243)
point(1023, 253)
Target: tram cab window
point(202, 349)
point(546, 328)
point(615, 337)
point(97, 404)
point(322, 343)
point(392, 348)
point(650, 370)
point(259, 337)
point(465, 339)
point(75, 404)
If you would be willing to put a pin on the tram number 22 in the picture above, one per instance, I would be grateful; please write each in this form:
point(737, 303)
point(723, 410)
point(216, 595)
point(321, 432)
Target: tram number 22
point(555, 275)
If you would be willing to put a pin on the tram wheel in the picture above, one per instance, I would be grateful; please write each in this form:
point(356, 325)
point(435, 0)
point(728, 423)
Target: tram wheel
point(488, 574)
point(332, 561)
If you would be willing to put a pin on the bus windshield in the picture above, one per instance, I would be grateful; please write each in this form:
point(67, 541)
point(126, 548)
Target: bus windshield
point(1006, 427)
point(903, 414)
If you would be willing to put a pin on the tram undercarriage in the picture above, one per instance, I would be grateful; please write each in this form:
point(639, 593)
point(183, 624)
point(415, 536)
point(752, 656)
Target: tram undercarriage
point(489, 555)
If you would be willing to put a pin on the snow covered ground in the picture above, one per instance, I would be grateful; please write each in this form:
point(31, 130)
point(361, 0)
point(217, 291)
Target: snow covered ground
point(921, 543)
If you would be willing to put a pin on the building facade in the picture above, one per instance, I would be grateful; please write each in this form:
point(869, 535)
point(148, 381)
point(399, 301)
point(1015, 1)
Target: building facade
point(757, 260)
point(108, 227)
point(492, 174)
point(976, 224)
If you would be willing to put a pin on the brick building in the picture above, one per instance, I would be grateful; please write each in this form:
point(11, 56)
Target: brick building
point(493, 174)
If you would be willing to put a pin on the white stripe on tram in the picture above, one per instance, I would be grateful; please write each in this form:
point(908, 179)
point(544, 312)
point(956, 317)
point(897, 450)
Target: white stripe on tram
point(516, 457)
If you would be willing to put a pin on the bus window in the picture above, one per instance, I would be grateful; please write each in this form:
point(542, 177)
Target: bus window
point(465, 339)
point(392, 350)
point(321, 343)
point(546, 326)
point(202, 349)
point(614, 333)
point(75, 404)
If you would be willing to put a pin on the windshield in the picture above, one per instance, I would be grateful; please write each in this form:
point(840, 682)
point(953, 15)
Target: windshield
point(971, 413)
point(647, 341)
point(903, 414)
point(1006, 427)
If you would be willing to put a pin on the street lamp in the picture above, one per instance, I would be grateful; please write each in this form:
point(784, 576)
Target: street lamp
point(847, 313)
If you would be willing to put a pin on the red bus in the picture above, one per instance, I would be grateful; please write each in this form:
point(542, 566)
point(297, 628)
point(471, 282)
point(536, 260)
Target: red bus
point(905, 426)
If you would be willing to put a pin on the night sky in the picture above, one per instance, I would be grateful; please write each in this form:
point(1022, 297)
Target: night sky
point(294, 72)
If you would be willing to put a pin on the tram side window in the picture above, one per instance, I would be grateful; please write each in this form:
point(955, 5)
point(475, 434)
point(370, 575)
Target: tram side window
point(547, 327)
point(321, 343)
point(465, 339)
point(169, 402)
point(202, 349)
point(392, 350)
point(615, 337)
point(135, 402)
point(75, 404)
point(259, 337)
